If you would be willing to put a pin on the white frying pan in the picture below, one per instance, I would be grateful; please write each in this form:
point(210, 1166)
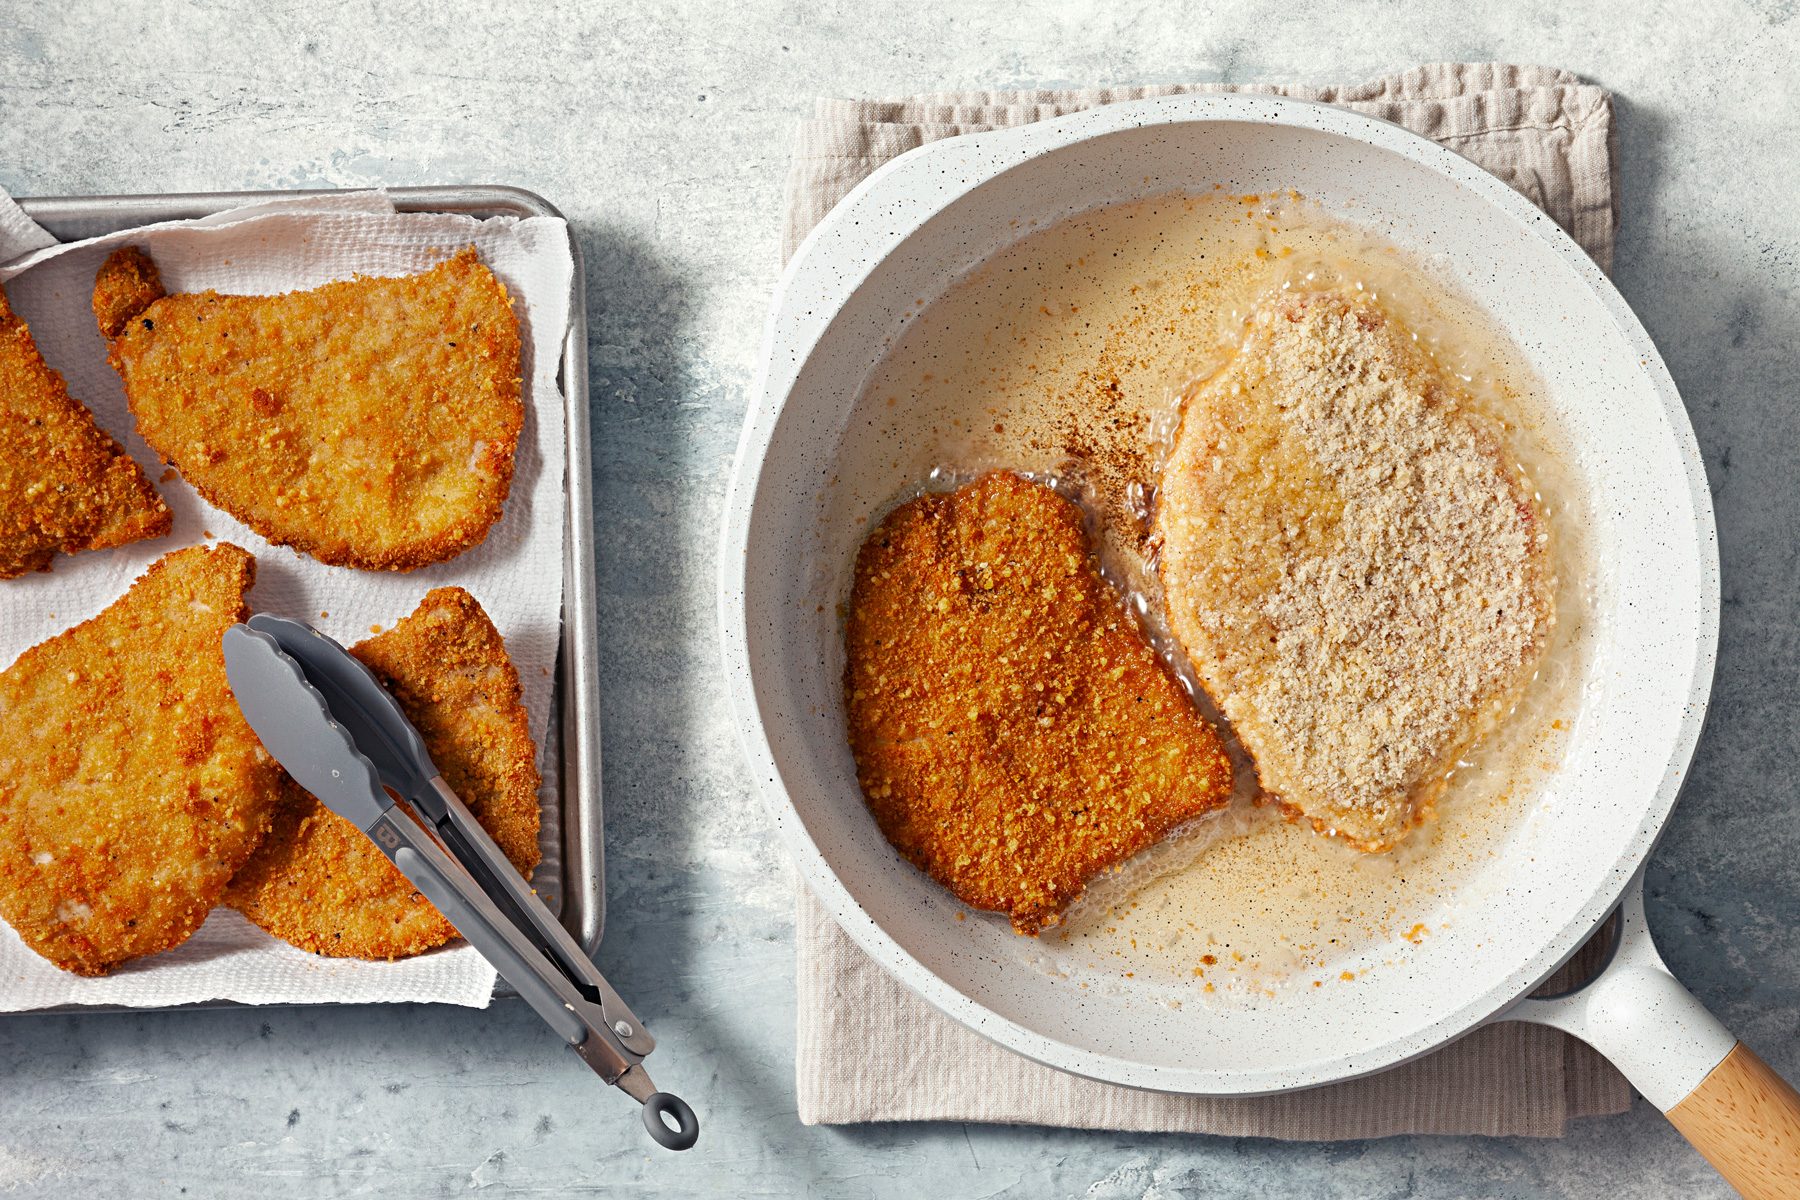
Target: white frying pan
point(902, 237)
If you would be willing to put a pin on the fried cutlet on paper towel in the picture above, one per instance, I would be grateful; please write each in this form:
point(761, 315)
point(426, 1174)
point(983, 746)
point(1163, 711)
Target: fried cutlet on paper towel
point(318, 882)
point(131, 788)
point(369, 423)
point(1353, 565)
point(1014, 734)
point(65, 484)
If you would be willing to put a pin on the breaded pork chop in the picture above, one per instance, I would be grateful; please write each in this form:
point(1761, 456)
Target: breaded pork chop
point(131, 789)
point(1355, 567)
point(318, 882)
point(65, 484)
point(1014, 733)
point(370, 423)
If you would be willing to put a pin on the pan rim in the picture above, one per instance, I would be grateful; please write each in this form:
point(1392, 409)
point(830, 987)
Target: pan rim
point(1014, 146)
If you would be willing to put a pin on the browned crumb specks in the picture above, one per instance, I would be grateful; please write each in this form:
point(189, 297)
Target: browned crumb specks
point(1014, 734)
point(318, 882)
point(127, 284)
point(65, 484)
point(370, 423)
point(1352, 563)
point(131, 789)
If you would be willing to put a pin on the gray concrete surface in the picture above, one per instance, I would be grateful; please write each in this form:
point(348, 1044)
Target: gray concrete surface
point(662, 131)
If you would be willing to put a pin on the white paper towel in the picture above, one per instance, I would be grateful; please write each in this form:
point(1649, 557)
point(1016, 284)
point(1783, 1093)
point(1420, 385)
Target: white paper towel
point(516, 573)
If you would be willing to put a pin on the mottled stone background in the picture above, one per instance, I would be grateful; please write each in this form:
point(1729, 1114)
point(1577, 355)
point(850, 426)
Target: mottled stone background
point(662, 130)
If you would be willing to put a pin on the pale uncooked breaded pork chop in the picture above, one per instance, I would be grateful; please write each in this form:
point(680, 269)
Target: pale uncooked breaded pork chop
point(1014, 733)
point(131, 788)
point(65, 484)
point(318, 881)
point(369, 423)
point(1353, 563)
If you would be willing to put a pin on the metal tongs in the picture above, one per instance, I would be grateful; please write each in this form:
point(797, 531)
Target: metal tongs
point(338, 732)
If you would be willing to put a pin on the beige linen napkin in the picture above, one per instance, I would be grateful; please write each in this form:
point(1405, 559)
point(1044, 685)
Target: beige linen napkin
point(869, 1050)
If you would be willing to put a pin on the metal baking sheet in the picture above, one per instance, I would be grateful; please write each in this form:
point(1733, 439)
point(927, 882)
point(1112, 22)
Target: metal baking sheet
point(572, 751)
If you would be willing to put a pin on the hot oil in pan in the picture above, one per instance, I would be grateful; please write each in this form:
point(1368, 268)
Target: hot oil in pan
point(1065, 357)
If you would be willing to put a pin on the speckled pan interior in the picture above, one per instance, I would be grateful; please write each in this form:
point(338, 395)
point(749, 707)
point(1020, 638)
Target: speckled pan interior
point(790, 532)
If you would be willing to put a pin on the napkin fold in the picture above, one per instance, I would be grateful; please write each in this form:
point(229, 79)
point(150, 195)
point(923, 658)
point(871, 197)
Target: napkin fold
point(869, 1049)
point(516, 573)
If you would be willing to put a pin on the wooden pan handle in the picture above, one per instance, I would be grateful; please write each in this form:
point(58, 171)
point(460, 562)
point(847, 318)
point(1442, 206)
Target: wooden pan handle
point(1746, 1120)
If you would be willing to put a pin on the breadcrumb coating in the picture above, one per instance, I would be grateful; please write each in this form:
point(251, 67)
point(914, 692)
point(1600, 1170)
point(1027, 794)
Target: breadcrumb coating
point(1354, 565)
point(369, 423)
point(1014, 733)
point(131, 788)
point(65, 484)
point(318, 882)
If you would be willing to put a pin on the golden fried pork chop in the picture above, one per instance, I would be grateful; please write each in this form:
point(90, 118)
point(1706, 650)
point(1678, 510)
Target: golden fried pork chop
point(1353, 564)
point(131, 789)
point(65, 484)
point(1014, 734)
point(318, 882)
point(370, 423)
